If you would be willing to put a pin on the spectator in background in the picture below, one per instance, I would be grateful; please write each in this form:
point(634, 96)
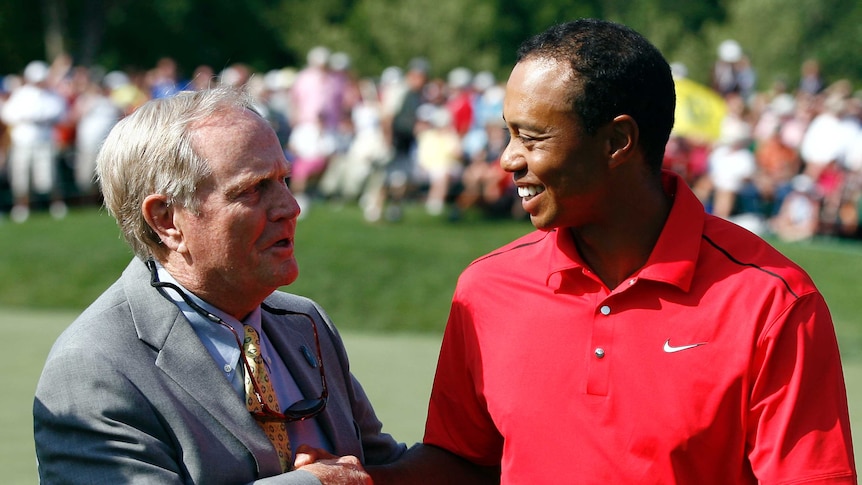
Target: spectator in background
point(731, 163)
point(203, 77)
point(235, 75)
point(777, 163)
point(724, 74)
point(459, 101)
point(823, 149)
point(810, 79)
point(125, 90)
point(484, 183)
point(386, 199)
point(732, 71)
point(438, 154)
point(163, 79)
point(348, 173)
point(31, 112)
point(310, 145)
point(313, 97)
point(7, 83)
point(278, 83)
point(311, 91)
point(798, 217)
point(487, 107)
point(344, 92)
point(94, 115)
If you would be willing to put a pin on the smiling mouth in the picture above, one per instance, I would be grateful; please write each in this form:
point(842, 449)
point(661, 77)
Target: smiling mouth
point(530, 191)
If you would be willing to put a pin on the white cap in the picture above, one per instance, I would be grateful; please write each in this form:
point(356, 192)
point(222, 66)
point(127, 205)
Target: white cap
point(730, 51)
point(339, 61)
point(318, 56)
point(802, 183)
point(391, 75)
point(678, 70)
point(460, 77)
point(280, 78)
point(425, 112)
point(483, 80)
point(116, 79)
point(36, 72)
point(783, 105)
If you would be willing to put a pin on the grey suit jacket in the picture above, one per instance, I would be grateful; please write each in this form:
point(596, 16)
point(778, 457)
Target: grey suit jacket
point(129, 394)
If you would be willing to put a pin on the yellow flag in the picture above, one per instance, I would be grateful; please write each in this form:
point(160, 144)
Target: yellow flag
point(699, 111)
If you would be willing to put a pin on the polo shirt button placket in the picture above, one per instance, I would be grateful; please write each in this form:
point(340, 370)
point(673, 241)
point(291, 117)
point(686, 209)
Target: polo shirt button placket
point(598, 371)
point(600, 352)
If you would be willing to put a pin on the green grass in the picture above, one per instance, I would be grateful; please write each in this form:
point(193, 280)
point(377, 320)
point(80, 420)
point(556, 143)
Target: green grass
point(395, 277)
point(387, 287)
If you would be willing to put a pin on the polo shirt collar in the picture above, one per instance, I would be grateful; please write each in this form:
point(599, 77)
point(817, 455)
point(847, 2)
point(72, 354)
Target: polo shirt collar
point(674, 257)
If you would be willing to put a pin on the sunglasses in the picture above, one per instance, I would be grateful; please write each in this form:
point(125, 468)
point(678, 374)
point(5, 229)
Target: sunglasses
point(298, 411)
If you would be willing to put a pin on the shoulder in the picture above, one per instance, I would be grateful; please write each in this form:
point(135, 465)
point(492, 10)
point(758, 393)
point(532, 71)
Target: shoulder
point(525, 254)
point(281, 304)
point(111, 308)
point(524, 246)
point(289, 301)
point(746, 254)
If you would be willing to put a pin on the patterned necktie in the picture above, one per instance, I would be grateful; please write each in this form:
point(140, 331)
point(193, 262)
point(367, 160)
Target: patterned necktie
point(274, 429)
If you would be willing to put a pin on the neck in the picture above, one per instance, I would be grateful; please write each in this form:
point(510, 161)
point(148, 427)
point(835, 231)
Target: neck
point(616, 250)
point(217, 294)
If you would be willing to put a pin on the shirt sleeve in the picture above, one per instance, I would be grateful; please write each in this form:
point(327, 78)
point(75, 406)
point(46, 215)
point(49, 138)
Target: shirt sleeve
point(458, 417)
point(799, 426)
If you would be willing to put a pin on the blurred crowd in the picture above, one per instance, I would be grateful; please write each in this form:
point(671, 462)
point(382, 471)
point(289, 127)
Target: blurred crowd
point(785, 161)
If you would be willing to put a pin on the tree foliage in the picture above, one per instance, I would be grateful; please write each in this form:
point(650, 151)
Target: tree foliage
point(481, 34)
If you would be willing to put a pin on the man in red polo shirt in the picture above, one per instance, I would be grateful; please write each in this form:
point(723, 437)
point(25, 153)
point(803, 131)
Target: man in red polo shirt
point(632, 338)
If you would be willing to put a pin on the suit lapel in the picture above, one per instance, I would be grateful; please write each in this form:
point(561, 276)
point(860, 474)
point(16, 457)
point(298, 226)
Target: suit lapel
point(289, 334)
point(184, 359)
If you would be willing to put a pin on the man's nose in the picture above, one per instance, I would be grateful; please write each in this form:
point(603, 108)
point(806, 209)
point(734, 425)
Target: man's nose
point(284, 204)
point(510, 161)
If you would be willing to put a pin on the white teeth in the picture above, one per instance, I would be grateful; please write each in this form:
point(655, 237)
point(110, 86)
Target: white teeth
point(530, 191)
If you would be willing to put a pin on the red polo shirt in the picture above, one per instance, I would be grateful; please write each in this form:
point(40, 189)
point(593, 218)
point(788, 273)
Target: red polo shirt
point(714, 363)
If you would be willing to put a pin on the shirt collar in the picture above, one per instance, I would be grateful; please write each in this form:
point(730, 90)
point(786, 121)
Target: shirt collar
point(674, 257)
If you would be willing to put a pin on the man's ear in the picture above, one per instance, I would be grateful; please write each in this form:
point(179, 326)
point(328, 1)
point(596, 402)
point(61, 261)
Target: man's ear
point(160, 216)
point(623, 139)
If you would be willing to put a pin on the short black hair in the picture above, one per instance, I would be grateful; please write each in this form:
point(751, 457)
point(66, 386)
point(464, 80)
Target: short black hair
point(615, 71)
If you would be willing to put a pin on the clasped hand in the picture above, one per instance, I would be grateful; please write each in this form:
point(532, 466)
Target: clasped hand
point(331, 469)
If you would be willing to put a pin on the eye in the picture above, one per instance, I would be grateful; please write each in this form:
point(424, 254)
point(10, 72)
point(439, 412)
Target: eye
point(526, 139)
point(515, 133)
point(254, 189)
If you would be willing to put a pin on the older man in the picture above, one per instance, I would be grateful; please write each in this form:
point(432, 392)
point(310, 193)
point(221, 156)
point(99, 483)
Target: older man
point(192, 368)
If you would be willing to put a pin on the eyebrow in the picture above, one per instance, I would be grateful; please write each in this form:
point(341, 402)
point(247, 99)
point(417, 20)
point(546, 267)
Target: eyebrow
point(530, 127)
point(244, 180)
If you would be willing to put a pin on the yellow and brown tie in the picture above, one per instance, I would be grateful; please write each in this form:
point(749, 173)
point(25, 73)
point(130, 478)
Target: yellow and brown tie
point(274, 429)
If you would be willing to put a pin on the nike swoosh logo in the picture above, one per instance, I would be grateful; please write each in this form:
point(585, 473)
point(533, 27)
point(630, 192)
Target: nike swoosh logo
point(671, 349)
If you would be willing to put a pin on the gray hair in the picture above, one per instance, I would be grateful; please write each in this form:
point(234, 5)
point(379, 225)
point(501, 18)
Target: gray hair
point(151, 152)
